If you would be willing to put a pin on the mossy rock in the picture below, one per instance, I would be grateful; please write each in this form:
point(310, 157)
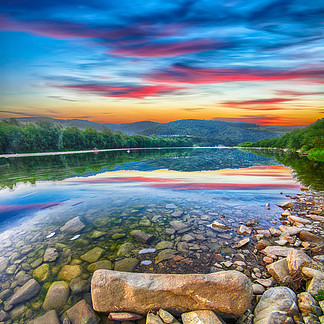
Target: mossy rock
point(42, 272)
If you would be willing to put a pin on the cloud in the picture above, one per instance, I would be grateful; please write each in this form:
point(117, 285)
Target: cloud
point(159, 49)
point(298, 93)
point(257, 104)
point(121, 91)
point(62, 98)
point(193, 75)
point(193, 109)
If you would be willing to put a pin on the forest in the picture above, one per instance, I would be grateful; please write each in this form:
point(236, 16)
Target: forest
point(308, 140)
point(45, 136)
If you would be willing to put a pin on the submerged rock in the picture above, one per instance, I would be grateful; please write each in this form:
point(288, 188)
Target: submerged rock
point(49, 318)
point(103, 264)
point(125, 249)
point(26, 292)
point(69, 272)
point(41, 273)
point(165, 255)
point(50, 255)
point(57, 295)
point(92, 255)
point(127, 265)
point(142, 236)
point(81, 313)
point(73, 226)
point(229, 292)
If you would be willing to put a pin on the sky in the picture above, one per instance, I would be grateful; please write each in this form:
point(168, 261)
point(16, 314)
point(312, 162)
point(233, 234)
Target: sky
point(258, 61)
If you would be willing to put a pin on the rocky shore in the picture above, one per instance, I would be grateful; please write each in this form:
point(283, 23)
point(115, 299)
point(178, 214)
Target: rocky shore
point(46, 276)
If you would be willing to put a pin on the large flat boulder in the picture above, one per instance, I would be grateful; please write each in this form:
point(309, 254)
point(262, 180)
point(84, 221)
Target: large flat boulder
point(226, 292)
point(26, 292)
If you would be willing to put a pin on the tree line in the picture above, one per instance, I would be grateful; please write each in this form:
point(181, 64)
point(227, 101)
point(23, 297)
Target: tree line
point(45, 136)
point(308, 139)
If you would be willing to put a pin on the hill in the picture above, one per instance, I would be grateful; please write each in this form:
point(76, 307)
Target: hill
point(308, 140)
point(202, 132)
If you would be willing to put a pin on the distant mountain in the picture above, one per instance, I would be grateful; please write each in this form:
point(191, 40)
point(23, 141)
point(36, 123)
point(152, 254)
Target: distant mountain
point(203, 132)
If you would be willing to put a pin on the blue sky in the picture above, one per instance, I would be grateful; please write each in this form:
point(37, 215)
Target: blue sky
point(123, 61)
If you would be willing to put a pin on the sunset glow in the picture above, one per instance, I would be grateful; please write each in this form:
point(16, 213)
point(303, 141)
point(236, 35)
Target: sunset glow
point(110, 61)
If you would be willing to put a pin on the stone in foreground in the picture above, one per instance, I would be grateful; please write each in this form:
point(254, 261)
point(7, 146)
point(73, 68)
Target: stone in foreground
point(226, 292)
point(81, 313)
point(49, 318)
point(57, 295)
point(277, 305)
point(26, 292)
point(201, 316)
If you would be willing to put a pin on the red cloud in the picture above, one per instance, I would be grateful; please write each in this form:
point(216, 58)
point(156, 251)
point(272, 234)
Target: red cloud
point(186, 74)
point(298, 93)
point(256, 104)
point(106, 90)
point(168, 49)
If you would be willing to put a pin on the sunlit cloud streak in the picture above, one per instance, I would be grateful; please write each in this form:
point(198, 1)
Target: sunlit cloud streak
point(192, 75)
point(121, 91)
point(257, 104)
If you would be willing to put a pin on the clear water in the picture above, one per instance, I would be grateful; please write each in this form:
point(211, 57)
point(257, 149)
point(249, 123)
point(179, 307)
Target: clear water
point(118, 192)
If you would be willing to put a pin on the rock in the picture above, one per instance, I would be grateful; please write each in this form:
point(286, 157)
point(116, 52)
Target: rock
point(316, 218)
point(165, 255)
point(118, 236)
point(164, 245)
point(57, 295)
point(3, 264)
point(277, 305)
point(167, 317)
point(314, 285)
point(258, 289)
point(292, 230)
point(97, 234)
point(177, 213)
point(252, 222)
point(244, 230)
point(319, 258)
point(69, 272)
point(187, 238)
point(311, 273)
point(286, 205)
point(298, 220)
point(125, 249)
point(41, 273)
point(49, 318)
point(50, 255)
point(179, 226)
point(219, 225)
point(103, 264)
point(170, 206)
point(127, 265)
point(30, 289)
point(262, 244)
point(265, 282)
point(286, 213)
point(201, 316)
point(124, 316)
point(279, 271)
point(297, 259)
point(73, 226)
point(229, 292)
point(142, 236)
point(277, 250)
point(241, 243)
point(81, 313)
point(18, 312)
point(274, 231)
point(310, 237)
point(153, 319)
point(3, 315)
point(92, 255)
point(308, 305)
point(79, 285)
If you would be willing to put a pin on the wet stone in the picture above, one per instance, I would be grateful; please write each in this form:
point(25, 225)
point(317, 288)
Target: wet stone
point(178, 226)
point(41, 273)
point(92, 255)
point(69, 272)
point(165, 255)
point(142, 236)
point(50, 255)
point(26, 292)
point(79, 285)
point(164, 245)
point(103, 264)
point(49, 318)
point(57, 295)
point(73, 226)
point(127, 265)
point(118, 236)
point(81, 313)
point(125, 249)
